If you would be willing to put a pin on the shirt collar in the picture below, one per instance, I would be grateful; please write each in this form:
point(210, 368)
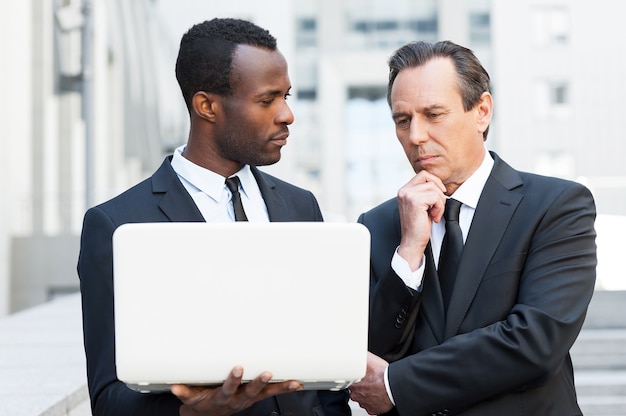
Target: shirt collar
point(469, 191)
point(205, 180)
point(247, 180)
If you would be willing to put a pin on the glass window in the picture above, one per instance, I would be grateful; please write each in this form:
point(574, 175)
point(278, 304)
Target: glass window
point(307, 25)
point(387, 25)
point(551, 25)
point(307, 94)
point(480, 28)
point(552, 99)
point(306, 35)
point(558, 94)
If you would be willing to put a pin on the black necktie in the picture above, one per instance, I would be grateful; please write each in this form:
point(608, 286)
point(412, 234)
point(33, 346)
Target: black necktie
point(451, 249)
point(233, 185)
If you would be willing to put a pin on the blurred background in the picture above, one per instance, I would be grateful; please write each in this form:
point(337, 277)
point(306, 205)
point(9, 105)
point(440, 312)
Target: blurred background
point(90, 105)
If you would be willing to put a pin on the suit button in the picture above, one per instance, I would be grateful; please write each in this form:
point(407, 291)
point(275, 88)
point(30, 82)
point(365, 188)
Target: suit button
point(401, 316)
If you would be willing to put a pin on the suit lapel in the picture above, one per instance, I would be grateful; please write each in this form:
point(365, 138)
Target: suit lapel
point(494, 211)
point(276, 206)
point(176, 203)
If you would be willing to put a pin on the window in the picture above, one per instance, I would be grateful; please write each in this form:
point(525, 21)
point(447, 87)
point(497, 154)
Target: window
point(558, 94)
point(552, 99)
point(307, 94)
point(306, 36)
point(426, 25)
point(551, 26)
point(388, 33)
point(480, 28)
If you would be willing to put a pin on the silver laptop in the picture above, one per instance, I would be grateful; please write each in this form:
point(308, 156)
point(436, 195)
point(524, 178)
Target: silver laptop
point(193, 300)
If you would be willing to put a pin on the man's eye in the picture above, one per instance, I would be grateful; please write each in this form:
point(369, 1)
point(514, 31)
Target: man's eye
point(287, 96)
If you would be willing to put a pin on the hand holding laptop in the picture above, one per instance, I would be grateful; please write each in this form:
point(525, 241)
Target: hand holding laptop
point(232, 396)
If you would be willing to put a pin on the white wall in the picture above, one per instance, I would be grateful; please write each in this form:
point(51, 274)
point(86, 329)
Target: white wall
point(15, 122)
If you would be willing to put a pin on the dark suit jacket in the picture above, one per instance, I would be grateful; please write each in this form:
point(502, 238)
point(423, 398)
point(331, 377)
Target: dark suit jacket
point(526, 277)
point(163, 198)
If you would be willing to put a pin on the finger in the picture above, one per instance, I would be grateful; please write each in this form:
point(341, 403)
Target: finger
point(420, 194)
point(186, 393)
point(180, 391)
point(257, 385)
point(437, 209)
point(263, 385)
point(274, 389)
point(427, 177)
point(233, 381)
point(190, 395)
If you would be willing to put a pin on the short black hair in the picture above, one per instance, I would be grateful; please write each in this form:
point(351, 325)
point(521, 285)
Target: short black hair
point(206, 53)
point(473, 79)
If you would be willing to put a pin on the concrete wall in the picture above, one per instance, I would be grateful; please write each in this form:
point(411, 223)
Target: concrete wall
point(42, 362)
point(42, 267)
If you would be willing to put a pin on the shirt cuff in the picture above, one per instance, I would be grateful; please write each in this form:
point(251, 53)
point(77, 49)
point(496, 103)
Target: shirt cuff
point(413, 279)
point(387, 387)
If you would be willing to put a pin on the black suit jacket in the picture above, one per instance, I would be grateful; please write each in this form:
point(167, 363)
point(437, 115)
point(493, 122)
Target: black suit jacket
point(526, 277)
point(163, 198)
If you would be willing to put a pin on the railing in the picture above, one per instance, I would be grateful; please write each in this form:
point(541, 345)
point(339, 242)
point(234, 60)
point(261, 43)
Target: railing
point(42, 362)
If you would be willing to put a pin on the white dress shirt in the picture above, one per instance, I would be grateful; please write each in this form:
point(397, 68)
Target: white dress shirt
point(212, 197)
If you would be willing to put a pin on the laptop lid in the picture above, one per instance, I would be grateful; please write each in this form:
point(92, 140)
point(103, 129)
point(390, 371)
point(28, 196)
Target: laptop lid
point(193, 300)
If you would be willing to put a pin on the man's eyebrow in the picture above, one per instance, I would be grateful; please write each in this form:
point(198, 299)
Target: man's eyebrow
point(434, 107)
point(398, 114)
point(273, 93)
point(431, 107)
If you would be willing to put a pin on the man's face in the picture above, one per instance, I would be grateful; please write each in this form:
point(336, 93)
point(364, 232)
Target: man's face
point(253, 126)
point(435, 131)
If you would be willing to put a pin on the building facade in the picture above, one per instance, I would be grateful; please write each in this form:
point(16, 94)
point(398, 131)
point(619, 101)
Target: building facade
point(81, 119)
point(557, 70)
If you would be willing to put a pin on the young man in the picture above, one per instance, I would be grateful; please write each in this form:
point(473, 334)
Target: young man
point(235, 84)
point(486, 328)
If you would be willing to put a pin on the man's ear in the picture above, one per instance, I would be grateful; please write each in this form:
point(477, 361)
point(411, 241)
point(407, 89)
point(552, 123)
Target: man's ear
point(204, 105)
point(484, 111)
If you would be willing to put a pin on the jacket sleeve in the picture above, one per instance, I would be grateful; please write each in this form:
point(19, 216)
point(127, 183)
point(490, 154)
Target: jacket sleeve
point(109, 396)
point(393, 306)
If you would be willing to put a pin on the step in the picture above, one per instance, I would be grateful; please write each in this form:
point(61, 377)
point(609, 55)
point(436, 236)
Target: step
point(600, 383)
point(603, 405)
point(600, 349)
point(606, 310)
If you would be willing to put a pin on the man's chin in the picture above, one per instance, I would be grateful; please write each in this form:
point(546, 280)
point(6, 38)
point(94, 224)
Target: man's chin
point(267, 161)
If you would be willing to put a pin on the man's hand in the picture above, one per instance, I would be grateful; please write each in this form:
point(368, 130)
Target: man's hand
point(370, 392)
point(421, 201)
point(232, 396)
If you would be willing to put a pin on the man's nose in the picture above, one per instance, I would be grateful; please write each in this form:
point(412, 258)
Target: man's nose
point(418, 132)
point(285, 115)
